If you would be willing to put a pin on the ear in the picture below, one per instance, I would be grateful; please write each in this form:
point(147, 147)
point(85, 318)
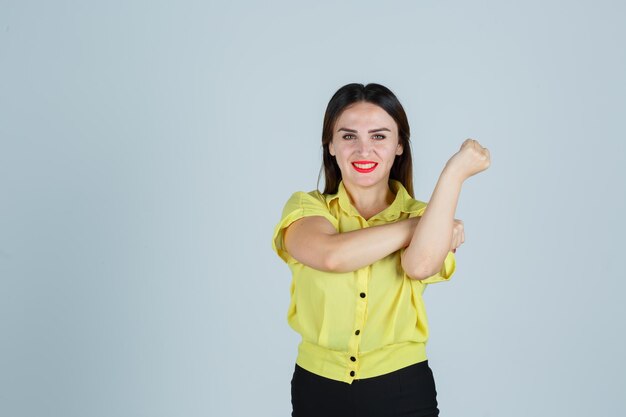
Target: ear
point(331, 148)
point(399, 149)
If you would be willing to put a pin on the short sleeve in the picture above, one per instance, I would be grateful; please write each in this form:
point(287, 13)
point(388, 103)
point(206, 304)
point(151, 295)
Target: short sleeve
point(446, 272)
point(299, 205)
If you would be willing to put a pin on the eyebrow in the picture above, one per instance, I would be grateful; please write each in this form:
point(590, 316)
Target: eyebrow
point(369, 131)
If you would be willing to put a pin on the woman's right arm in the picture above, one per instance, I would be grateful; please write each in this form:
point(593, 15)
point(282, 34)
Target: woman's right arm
point(315, 242)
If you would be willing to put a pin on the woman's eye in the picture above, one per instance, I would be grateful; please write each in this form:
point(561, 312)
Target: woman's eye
point(378, 137)
point(349, 136)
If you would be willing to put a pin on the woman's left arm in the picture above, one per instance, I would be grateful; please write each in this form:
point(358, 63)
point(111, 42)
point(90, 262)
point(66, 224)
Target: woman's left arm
point(433, 237)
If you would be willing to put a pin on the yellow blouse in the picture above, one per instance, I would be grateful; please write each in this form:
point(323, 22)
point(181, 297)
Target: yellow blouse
point(360, 324)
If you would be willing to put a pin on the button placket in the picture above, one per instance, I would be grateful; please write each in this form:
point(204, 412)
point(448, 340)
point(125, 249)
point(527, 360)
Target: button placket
point(359, 320)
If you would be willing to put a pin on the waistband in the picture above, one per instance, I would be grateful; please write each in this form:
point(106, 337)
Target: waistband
point(338, 365)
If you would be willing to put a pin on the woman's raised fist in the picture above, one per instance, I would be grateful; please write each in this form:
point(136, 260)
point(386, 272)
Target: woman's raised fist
point(469, 160)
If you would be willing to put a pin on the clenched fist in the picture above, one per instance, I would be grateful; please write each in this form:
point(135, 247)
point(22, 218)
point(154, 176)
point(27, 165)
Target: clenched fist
point(469, 160)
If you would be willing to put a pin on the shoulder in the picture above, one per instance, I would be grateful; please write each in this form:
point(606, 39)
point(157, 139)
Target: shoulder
point(306, 204)
point(301, 200)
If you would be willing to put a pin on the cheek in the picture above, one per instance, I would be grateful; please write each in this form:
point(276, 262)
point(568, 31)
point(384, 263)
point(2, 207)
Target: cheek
point(343, 151)
point(389, 153)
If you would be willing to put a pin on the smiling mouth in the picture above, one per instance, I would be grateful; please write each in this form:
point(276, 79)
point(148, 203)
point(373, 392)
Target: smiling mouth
point(364, 166)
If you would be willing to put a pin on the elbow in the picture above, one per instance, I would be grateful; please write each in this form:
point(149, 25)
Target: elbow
point(326, 257)
point(419, 269)
point(420, 274)
point(330, 262)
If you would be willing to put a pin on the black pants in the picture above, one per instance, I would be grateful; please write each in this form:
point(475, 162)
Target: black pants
point(407, 392)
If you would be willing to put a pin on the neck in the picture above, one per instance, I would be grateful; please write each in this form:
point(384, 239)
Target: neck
point(371, 200)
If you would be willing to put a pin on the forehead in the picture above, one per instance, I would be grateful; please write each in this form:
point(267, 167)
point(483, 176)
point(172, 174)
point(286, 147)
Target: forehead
point(365, 115)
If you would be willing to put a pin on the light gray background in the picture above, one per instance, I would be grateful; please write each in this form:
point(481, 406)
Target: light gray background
point(147, 149)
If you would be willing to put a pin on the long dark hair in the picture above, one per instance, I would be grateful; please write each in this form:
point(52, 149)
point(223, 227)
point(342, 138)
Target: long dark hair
point(402, 168)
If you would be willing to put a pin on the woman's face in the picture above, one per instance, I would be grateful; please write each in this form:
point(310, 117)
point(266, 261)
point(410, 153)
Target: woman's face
point(365, 144)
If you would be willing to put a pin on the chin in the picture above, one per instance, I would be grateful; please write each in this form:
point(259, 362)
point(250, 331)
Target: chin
point(366, 182)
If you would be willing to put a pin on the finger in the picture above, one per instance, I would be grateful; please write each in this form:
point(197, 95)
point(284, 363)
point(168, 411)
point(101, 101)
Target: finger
point(457, 240)
point(454, 243)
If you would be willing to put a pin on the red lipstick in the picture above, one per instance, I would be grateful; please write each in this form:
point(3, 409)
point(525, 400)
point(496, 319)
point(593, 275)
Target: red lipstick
point(364, 166)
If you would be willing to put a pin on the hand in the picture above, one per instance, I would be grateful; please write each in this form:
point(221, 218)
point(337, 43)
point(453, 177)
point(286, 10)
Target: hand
point(469, 160)
point(458, 234)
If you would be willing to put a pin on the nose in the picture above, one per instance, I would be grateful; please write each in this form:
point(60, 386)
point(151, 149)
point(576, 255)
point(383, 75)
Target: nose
point(364, 147)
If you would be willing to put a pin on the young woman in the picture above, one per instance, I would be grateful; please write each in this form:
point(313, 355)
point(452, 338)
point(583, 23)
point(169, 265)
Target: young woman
point(361, 254)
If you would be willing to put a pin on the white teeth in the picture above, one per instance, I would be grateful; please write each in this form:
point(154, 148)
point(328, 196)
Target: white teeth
point(365, 166)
